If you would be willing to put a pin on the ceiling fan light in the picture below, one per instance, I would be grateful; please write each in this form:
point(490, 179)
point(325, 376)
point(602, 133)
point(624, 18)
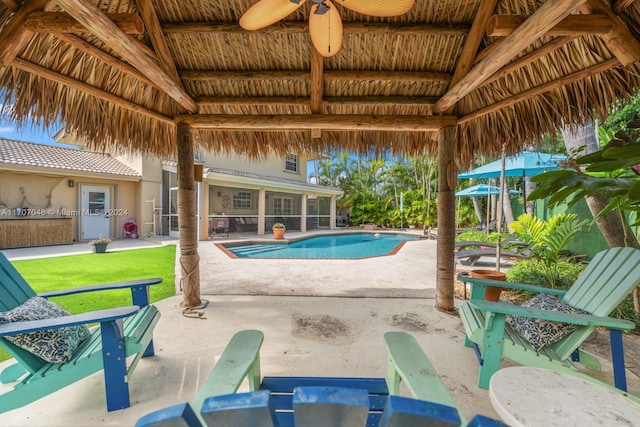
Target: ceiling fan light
point(326, 30)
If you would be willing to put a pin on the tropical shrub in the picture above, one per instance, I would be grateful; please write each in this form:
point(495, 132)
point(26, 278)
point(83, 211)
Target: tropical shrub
point(479, 236)
point(546, 240)
point(531, 271)
point(474, 236)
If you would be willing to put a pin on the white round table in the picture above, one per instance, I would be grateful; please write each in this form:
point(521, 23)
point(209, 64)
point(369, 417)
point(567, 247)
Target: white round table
point(526, 396)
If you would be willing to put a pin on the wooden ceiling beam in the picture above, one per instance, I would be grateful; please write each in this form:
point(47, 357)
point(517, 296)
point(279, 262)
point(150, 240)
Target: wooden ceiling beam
point(387, 76)
point(14, 36)
point(572, 25)
point(471, 46)
point(374, 28)
point(300, 122)
point(24, 65)
point(158, 41)
point(528, 94)
point(89, 49)
point(620, 41)
point(12, 5)
point(274, 101)
point(548, 15)
point(528, 58)
point(484, 52)
point(61, 22)
point(621, 5)
point(103, 28)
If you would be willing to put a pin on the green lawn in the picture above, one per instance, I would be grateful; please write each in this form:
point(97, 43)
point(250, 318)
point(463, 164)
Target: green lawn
point(65, 272)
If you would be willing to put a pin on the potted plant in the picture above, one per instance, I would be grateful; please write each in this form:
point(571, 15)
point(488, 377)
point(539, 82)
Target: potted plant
point(100, 244)
point(492, 293)
point(278, 230)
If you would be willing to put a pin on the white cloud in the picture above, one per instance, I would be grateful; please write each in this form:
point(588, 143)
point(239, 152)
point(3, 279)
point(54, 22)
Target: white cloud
point(7, 129)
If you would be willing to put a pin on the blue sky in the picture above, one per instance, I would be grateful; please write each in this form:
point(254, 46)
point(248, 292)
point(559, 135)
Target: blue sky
point(8, 130)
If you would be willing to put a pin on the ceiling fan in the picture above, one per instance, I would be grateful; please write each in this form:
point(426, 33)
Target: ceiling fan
point(325, 24)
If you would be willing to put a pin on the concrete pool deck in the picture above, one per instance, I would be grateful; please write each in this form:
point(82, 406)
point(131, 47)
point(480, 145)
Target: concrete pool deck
point(323, 318)
point(410, 273)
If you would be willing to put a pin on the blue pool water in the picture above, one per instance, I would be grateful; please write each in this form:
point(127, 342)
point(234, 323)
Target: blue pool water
point(337, 246)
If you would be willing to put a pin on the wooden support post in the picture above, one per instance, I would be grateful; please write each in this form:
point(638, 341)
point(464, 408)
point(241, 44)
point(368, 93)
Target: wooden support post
point(447, 179)
point(187, 224)
point(316, 91)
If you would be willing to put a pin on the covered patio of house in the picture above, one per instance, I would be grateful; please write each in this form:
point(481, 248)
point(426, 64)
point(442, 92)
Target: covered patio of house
point(453, 78)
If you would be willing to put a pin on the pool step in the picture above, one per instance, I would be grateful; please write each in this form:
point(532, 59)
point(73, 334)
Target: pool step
point(256, 249)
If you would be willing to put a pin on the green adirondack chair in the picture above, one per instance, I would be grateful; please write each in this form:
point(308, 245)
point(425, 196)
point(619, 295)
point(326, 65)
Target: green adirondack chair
point(123, 332)
point(607, 280)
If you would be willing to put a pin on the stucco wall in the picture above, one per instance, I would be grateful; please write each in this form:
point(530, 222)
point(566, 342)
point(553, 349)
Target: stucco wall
point(53, 196)
point(272, 166)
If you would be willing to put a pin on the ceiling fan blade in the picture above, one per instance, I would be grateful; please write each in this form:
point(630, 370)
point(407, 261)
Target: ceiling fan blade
point(326, 30)
point(378, 7)
point(267, 12)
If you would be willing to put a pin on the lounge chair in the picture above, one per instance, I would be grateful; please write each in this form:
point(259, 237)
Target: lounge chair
point(607, 280)
point(429, 233)
point(483, 227)
point(471, 256)
point(466, 243)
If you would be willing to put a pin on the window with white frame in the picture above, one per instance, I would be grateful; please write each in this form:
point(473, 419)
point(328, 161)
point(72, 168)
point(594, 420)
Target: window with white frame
point(242, 200)
point(291, 163)
point(282, 205)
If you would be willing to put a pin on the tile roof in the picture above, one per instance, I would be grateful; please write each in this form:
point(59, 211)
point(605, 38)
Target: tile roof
point(47, 156)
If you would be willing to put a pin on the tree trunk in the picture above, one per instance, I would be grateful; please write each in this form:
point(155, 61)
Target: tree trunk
point(447, 179)
point(187, 219)
point(507, 209)
point(529, 186)
point(479, 211)
point(616, 232)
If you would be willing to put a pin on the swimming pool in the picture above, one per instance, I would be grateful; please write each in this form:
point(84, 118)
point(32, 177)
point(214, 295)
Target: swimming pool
point(335, 246)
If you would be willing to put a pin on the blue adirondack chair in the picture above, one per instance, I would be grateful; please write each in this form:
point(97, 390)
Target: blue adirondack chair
point(607, 280)
point(317, 401)
point(123, 332)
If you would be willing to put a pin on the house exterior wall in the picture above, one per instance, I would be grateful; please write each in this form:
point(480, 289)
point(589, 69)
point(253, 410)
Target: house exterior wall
point(271, 166)
point(46, 196)
point(148, 193)
point(57, 193)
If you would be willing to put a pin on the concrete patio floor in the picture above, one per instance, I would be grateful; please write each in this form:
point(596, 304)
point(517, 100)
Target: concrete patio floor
point(319, 318)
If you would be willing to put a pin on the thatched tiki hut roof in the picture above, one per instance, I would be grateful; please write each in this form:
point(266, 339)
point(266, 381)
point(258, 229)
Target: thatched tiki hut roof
point(457, 77)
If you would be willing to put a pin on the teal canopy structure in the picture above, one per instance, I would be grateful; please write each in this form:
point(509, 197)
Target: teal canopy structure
point(525, 163)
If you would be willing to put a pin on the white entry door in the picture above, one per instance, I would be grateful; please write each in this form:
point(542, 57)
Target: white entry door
point(96, 205)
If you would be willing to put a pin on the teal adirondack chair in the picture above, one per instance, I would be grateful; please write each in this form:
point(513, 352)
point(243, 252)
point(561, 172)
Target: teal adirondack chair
point(123, 332)
point(607, 280)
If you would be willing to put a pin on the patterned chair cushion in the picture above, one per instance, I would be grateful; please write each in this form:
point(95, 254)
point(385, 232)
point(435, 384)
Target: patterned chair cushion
point(52, 345)
point(539, 332)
